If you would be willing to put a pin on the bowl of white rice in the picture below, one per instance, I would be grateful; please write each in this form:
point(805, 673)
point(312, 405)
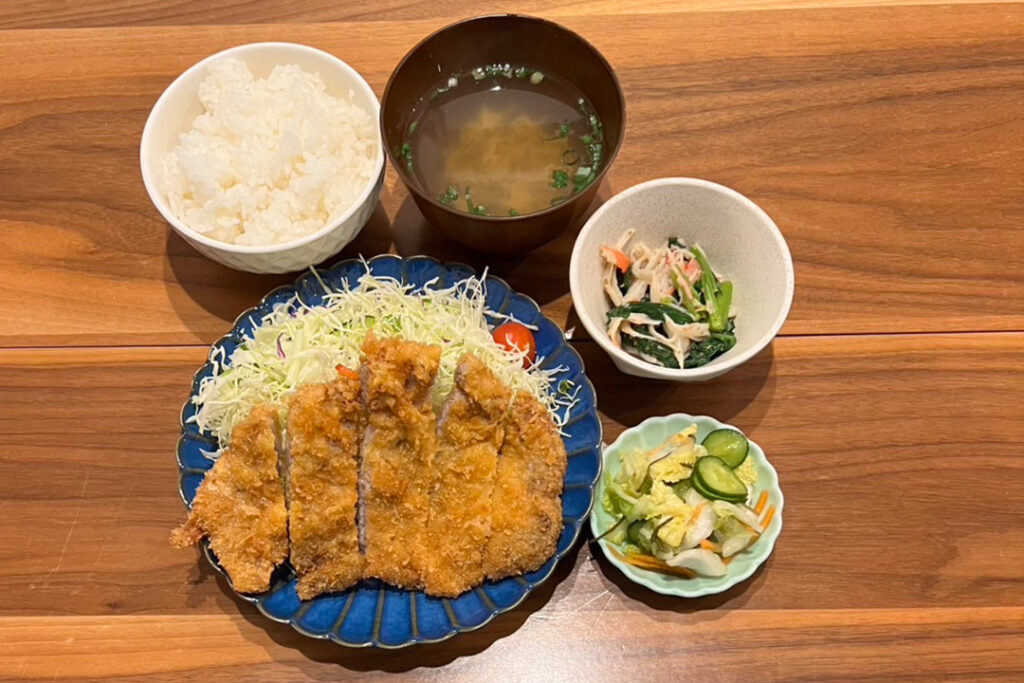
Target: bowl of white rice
point(265, 157)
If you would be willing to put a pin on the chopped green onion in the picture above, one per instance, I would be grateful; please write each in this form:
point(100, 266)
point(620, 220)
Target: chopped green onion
point(448, 196)
point(406, 153)
point(559, 179)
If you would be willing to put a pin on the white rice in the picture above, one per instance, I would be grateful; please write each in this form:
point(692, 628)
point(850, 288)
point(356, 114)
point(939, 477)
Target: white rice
point(270, 160)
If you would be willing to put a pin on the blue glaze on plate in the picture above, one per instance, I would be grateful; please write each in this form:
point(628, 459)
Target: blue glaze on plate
point(432, 621)
point(373, 613)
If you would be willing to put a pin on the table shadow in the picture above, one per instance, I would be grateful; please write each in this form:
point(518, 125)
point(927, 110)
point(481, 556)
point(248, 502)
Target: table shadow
point(415, 656)
point(221, 291)
point(373, 239)
point(225, 292)
point(542, 274)
point(734, 597)
point(745, 393)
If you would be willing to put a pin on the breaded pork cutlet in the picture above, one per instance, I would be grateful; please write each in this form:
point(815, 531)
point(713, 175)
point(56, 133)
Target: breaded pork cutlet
point(397, 457)
point(240, 505)
point(526, 513)
point(469, 433)
point(321, 476)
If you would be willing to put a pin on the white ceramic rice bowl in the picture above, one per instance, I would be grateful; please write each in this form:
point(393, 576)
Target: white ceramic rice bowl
point(179, 106)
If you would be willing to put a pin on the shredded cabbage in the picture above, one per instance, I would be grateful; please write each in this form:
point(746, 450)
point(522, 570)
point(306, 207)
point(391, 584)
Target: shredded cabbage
point(747, 473)
point(633, 471)
point(704, 562)
point(296, 344)
point(662, 501)
point(616, 501)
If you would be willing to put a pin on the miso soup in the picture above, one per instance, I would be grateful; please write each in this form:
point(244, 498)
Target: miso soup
point(503, 141)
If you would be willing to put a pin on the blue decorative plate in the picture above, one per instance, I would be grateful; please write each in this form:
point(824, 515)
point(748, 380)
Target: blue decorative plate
point(372, 612)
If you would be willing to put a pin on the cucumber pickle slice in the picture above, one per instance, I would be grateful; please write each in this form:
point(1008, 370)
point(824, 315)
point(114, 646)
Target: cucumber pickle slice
point(727, 444)
point(713, 478)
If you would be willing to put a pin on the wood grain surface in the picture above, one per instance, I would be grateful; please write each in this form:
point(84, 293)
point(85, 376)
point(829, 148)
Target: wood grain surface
point(898, 455)
point(886, 142)
point(100, 13)
point(785, 645)
point(885, 138)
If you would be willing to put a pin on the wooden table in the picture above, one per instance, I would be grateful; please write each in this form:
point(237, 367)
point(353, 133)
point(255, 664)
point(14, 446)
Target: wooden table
point(885, 139)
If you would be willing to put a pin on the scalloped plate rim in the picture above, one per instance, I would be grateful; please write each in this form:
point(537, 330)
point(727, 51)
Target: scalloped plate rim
point(678, 588)
point(375, 641)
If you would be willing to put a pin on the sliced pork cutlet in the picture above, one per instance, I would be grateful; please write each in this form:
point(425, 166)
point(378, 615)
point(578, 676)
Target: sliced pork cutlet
point(469, 433)
point(397, 457)
point(321, 473)
point(240, 505)
point(526, 513)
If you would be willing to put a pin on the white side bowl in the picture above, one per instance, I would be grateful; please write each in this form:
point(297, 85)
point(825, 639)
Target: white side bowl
point(742, 244)
point(179, 106)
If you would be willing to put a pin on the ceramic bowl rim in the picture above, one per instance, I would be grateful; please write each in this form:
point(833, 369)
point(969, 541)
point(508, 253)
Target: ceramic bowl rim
point(156, 196)
point(765, 544)
point(609, 158)
point(715, 367)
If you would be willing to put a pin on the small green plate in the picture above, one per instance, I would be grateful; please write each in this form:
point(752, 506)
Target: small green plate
point(649, 434)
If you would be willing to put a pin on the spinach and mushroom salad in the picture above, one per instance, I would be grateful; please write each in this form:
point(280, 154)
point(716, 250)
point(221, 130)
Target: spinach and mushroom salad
point(668, 306)
point(503, 140)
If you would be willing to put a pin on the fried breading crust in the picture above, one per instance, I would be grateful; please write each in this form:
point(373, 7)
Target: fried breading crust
point(325, 427)
point(240, 505)
point(526, 514)
point(470, 431)
point(397, 456)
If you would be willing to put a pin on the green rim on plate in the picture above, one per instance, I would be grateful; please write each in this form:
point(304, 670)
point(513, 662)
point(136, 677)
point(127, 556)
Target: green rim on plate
point(649, 434)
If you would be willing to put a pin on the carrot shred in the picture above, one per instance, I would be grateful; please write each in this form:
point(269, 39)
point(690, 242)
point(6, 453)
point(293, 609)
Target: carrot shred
point(768, 516)
point(696, 513)
point(663, 569)
point(761, 500)
point(653, 564)
point(622, 262)
point(345, 372)
point(750, 528)
point(710, 545)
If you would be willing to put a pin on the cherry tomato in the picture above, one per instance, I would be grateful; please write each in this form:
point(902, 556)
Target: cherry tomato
point(517, 337)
